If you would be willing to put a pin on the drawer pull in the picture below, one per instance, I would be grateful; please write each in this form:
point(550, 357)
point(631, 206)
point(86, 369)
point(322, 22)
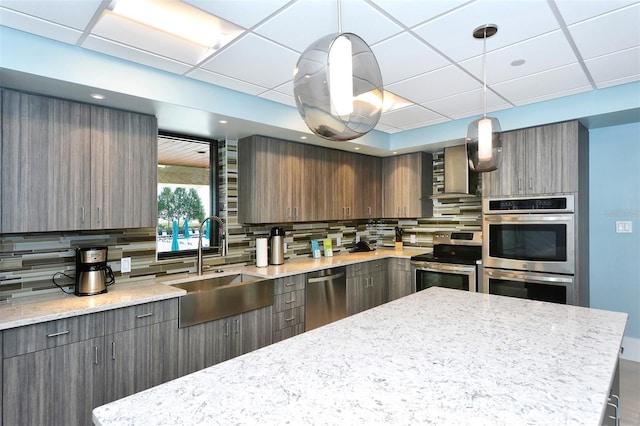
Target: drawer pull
point(290, 319)
point(60, 333)
point(148, 314)
point(289, 284)
point(290, 301)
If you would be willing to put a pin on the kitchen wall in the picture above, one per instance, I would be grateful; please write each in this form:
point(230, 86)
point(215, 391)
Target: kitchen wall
point(614, 191)
point(29, 261)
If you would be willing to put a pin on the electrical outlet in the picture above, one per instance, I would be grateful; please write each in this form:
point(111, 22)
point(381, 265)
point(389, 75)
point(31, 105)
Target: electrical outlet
point(125, 265)
point(624, 227)
point(413, 238)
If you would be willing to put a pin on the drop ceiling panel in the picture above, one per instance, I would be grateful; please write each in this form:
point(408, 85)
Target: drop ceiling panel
point(534, 51)
point(301, 24)
point(272, 95)
point(411, 13)
point(33, 25)
point(74, 14)
point(624, 32)
point(572, 12)
point(367, 22)
point(467, 104)
point(545, 85)
point(435, 85)
point(404, 56)
point(245, 13)
point(452, 33)
point(617, 68)
point(268, 65)
point(406, 116)
point(129, 53)
point(224, 81)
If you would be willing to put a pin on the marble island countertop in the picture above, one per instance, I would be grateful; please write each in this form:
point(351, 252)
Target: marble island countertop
point(52, 306)
point(435, 357)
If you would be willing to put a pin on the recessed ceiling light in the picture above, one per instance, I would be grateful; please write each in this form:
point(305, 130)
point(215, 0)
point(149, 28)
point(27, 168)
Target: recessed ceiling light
point(357, 148)
point(303, 138)
point(518, 62)
point(222, 121)
point(98, 96)
point(395, 152)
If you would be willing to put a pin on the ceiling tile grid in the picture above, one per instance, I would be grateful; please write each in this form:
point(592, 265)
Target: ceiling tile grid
point(425, 49)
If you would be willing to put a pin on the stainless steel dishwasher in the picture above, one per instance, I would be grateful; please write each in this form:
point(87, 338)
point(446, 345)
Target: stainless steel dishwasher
point(326, 297)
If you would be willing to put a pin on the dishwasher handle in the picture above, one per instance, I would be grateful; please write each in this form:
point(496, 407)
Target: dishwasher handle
point(325, 278)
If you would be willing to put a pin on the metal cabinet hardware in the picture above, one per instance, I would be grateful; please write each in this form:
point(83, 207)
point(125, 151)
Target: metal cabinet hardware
point(237, 326)
point(290, 319)
point(95, 349)
point(148, 314)
point(616, 408)
point(293, 299)
point(82, 214)
point(113, 350)
point(60, 333)
point(99, 215)
point(226, 329)
point(291, 284)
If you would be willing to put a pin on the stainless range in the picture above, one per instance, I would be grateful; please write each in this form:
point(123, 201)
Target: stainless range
point(454, 263)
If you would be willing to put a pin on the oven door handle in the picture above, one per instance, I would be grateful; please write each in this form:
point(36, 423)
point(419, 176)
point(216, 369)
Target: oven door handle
point(527, 218)
point(445, 268)
point(530, 278)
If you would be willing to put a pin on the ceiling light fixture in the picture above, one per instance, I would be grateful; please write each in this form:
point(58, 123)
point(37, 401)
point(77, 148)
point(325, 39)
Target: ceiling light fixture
point(484, 140)
point(337, 85)
point(175, 17)
point(98, 96)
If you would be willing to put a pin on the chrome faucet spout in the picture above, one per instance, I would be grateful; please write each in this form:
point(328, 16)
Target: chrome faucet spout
point(223, 241)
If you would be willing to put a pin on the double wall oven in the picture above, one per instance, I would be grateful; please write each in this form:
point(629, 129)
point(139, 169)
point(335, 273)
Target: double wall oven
point(529, 248)
point(454, 262)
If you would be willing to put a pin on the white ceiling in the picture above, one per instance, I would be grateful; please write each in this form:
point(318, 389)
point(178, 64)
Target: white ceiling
point(425, 48)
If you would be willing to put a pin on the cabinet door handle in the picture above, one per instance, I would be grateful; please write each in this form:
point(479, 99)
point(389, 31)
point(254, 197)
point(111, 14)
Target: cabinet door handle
point(293, 299)
point(530, 182)
point(519, 184)
point(371, 281)
point(148, 314)
point(295, 212)
point(288, 212)
point(59, 333)
point(348, 211)
point(369, 210)
point(82, 214)
point(226, 329)
point(290, 319)
point(237, 326)
point(98, 214)
point(113, 350)
point(366, 282)
point(95, 351)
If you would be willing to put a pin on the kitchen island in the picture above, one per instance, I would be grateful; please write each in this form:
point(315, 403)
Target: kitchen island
point(435, 357)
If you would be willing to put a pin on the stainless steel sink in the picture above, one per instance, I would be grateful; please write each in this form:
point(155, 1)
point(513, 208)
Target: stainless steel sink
point(208, 299)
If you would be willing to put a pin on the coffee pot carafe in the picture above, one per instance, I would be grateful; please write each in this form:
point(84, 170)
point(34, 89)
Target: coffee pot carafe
point(93, 275)
point(276, 246)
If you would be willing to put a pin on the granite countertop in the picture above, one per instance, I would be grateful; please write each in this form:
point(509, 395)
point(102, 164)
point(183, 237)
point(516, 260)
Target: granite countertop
point(57, 305)
point(438, 356)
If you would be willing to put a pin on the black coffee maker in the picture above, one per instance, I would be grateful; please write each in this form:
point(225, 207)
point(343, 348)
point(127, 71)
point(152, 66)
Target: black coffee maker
point(93, 275)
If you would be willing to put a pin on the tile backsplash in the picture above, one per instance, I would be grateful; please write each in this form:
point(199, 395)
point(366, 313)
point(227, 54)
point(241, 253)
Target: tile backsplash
point(28, 262)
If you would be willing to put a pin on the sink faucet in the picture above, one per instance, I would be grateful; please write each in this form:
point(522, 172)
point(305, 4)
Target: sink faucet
point(223, 241)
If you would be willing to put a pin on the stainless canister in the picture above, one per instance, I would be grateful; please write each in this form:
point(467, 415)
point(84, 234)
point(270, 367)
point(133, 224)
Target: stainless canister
point(276, 249)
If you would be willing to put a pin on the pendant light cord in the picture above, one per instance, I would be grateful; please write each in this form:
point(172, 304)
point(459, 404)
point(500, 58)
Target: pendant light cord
point(339, 17)
point(484, 72)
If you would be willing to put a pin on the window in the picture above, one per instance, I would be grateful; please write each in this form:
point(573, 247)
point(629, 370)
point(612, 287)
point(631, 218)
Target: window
point(187, 193)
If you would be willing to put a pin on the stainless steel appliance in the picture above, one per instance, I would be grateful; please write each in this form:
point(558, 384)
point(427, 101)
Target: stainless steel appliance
point(326, 298)
point(530, 285)
point(277, 246)
point(530, 234)
point(454, 262)
point(93, 275)
point(529, 248)
point(459, 180)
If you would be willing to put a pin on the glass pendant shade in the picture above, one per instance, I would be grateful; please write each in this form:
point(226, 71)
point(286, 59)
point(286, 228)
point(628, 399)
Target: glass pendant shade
point(484, 144)
point(337, 86)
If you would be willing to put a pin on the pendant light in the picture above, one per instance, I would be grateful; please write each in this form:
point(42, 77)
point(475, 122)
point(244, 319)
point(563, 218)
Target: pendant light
point(484, 140)
point(337, 85)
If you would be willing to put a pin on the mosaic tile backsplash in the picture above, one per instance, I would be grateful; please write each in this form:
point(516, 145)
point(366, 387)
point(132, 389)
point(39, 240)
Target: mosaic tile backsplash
point(28, 262)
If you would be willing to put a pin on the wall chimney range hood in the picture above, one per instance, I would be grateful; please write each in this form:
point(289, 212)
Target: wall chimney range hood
point(459, 181)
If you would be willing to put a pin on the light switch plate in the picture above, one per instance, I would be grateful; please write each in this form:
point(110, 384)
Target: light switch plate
point(624, 227)
point(125, 265)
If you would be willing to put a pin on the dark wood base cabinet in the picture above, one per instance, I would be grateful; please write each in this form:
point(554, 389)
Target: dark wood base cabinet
point(55, 373)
